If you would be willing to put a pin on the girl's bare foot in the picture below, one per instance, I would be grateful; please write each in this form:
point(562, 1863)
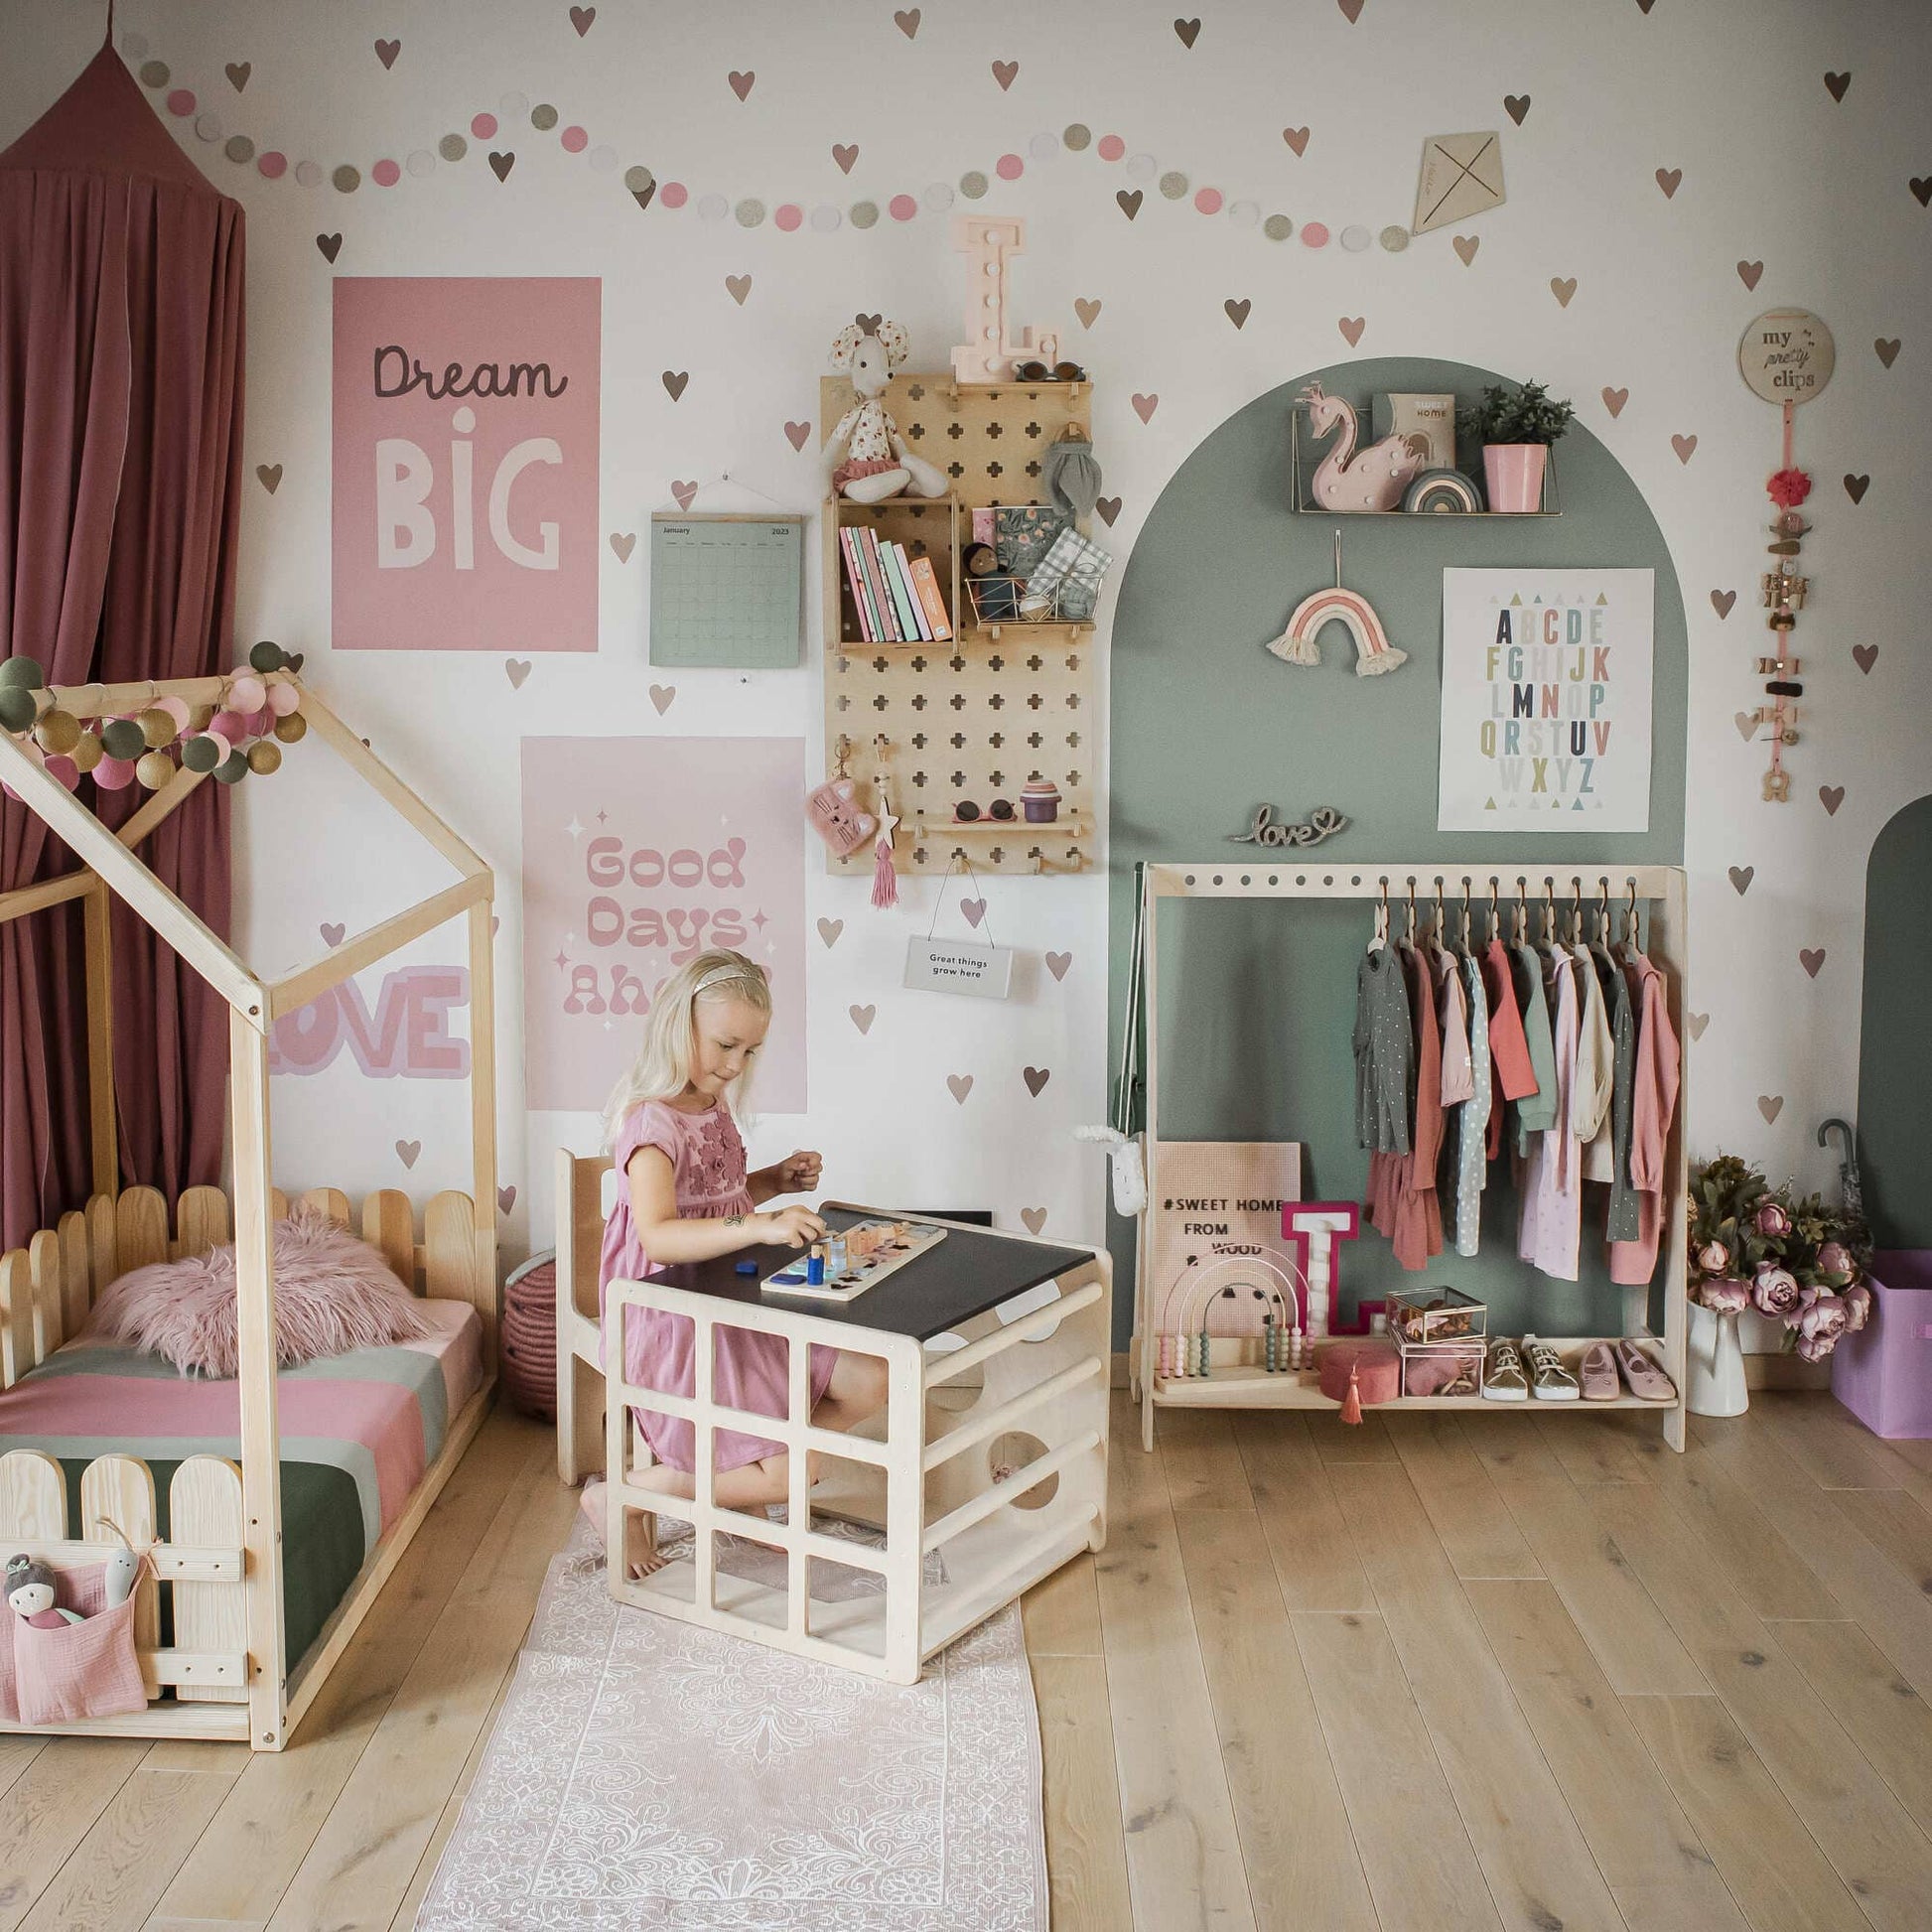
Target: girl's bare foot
point(640, 1551)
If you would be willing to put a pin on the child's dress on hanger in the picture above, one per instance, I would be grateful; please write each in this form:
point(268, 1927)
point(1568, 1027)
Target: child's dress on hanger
point(1513, 1078)
point(1405, 1207)
point(1653, 1102)
point(751, 1371)
point(1595, 1069)
point(1536, 1111)
point(1472, 1166)
point(1550, 1229)
point(1621, 1220)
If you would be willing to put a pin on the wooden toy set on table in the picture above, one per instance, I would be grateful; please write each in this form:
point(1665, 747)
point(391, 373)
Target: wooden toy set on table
point(959, 589)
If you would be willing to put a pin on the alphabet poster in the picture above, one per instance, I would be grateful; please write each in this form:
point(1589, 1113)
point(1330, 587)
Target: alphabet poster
point(1545, 700)
point(466, 463)
point(639, 852)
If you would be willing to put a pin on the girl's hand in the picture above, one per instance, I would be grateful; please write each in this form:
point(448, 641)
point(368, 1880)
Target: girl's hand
point(798, 1173)
point(790, 1227)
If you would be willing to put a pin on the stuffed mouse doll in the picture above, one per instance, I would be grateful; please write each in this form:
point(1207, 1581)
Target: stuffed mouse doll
point(30, 1591)
point(877, 462)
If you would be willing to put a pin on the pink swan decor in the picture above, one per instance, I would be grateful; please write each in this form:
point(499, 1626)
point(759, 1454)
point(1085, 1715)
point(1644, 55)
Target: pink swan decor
point(1368, 480)
point(1297, 644)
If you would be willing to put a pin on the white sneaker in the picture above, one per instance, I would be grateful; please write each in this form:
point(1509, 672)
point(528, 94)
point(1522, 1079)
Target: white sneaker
point(1502, 1376)
point(1549, 1381)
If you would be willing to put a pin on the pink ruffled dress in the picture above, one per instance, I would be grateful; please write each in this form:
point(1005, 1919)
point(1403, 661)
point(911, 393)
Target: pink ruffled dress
point(751, 1371)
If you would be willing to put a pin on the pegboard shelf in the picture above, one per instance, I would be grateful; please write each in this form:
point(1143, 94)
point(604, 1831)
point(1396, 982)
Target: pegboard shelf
point(985, 712)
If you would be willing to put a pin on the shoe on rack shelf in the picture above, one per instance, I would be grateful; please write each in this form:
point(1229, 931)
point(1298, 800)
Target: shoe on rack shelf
point(1598, 1371)
point(1647, 1381)
point(1503, 1379)
point(1549, 1381)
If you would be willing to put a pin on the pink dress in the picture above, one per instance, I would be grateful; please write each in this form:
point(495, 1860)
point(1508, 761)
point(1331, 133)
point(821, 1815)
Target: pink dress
point(749, 1371)
point(1550, 1231)
point(1653, 1102)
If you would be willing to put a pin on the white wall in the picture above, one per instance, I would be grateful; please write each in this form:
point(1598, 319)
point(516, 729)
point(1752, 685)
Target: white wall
point(1774, 170)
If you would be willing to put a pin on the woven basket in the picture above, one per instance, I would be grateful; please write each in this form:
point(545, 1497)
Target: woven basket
point(530, 1337)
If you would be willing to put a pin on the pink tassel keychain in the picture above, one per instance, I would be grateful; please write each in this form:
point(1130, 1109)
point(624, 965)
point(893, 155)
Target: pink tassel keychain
point(885, 875)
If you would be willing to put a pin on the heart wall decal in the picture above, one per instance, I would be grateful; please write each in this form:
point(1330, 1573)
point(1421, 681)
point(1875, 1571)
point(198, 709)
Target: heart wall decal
point(1465, 245)
point(387, 51)
point(407, 1152)
point(1351, 328)
point(1517, 106)
point(501, 164)
point(1563, 287)
point(331, 247)
point(582, 19)
point(1887, 349)
point(961, 1086)
point(683, 493)
point(1721, 601)
point(239, 73)
point(333, 933)
point(1811, 958)
point(1770, 1105)
point(908, 21)
point(269, 475)
point(1006, 73)
point(1144, 408)
point(1089, 313)
point(506, 1197)
point(1036, 1078)
point(1696, 1021)
point(1685, 446)
point(1189, 31)
point(738, 287)
point(1668, 180)
point(623, 543)
point(798, 434)
point(1237, 312)
point(1864, 656)
point(829, 930)
point(741, 83)
point(1748, 273)
point(1057, 963)
point(517, 669)
point(1130, 202)
point(1830, 797)
point(1035, 1218)
point(1856, 486)
point(1740, 879)
point(662, 695)
point(674, 381)
point(863, 1017)
point(1614, 399)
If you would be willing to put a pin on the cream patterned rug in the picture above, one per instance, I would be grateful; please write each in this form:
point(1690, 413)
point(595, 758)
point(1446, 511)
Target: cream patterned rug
point(647, 1775)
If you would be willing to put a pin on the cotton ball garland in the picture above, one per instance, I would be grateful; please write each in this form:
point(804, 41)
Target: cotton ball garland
point(246, 693)
point(265, 758)
point(177, 709)
point(21, 673)
point(86, 752)
point(154, 770)
point(123, 740)
point(283, 699)
point(267, 656)
point(64, 770)
point(18, 707)
point(227, 724)
point(200, 717)
point(58, 731)
point(204, 751)
point(292, 729)
point(157, 727)
point(114, 774)
point(232, 769)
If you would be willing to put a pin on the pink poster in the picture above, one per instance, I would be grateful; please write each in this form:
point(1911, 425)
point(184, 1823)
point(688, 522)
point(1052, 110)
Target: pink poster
point(466, 463)
point(637, 854)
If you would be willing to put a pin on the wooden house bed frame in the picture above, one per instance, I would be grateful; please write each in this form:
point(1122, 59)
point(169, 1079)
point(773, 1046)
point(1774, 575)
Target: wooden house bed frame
point(227, 1676)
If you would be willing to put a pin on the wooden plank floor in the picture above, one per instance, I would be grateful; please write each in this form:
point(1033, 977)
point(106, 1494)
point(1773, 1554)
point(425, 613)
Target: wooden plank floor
point(1441, 1670)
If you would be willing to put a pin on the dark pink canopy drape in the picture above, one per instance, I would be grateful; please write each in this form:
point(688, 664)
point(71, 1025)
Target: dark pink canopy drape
point(120, 467)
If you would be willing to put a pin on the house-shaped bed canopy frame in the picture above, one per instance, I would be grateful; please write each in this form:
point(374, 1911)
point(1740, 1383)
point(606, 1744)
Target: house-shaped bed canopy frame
point(458, 1257)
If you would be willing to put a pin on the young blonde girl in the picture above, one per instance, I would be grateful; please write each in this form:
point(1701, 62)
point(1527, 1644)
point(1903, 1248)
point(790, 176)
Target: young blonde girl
point(686, 1196)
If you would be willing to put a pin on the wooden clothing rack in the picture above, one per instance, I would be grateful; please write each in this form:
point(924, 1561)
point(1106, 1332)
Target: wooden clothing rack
point(1232, 1381)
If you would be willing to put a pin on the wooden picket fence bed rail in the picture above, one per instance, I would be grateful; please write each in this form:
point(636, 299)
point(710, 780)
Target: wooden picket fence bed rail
point(197, 1684)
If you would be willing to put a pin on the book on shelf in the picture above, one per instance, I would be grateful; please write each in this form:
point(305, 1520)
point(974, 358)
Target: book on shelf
point(854, 576)
point(910, 607)
point(926, 583)
point(881, 597)
point(908, 629)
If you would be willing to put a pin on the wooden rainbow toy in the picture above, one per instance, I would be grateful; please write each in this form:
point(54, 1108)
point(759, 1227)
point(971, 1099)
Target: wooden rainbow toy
point(1374, 654)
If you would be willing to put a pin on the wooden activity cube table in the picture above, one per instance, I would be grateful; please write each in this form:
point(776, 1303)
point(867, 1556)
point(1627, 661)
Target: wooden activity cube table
point(980, 1491)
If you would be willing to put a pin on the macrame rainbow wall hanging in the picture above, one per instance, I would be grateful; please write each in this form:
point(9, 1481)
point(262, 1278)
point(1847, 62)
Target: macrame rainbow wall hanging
point(1374, 654)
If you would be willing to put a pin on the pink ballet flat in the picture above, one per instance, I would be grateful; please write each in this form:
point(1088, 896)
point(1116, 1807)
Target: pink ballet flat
point(1647, 1381)
point(1597, 1373)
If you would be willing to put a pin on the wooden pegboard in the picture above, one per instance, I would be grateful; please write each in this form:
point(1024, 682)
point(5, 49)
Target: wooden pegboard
point(981, 717)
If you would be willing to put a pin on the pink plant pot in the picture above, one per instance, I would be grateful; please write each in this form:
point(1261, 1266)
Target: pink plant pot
point(1514, 472)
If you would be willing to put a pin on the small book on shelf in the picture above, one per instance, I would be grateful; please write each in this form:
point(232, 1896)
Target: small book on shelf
point(915, 609)
point(926, 583)
point(895, 583)
point(854, 576)
point(882, 596)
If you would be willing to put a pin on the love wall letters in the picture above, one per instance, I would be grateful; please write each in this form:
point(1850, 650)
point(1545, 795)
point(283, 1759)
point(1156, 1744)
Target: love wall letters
point(639, 854)
point(466, 463)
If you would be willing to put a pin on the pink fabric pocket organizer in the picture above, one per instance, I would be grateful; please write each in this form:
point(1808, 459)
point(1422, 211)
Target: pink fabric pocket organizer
point(81, 1670)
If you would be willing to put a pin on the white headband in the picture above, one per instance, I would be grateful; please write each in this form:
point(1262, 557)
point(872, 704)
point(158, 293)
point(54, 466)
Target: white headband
point(719, 974)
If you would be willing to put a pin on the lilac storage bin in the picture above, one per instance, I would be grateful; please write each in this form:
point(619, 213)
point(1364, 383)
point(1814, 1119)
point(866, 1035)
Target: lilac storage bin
point(1883, 1373)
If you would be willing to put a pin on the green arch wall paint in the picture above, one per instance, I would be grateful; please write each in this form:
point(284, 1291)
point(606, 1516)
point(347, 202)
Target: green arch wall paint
point(1204, 725)
point(1895, 1046)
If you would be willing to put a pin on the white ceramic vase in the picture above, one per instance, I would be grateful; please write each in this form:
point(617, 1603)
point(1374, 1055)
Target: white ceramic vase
point(1717, 1384)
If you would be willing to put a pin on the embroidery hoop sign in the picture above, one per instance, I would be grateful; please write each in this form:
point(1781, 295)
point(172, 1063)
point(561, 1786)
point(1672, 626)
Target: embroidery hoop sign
point(972, 966)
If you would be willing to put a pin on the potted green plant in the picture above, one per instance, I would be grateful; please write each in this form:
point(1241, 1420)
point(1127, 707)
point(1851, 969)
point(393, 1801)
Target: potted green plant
point(1517, 428)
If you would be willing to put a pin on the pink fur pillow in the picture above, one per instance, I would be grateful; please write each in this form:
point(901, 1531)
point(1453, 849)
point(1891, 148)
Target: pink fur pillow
point(333, 1293)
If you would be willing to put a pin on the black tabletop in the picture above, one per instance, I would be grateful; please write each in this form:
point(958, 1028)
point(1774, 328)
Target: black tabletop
point(969, 1272)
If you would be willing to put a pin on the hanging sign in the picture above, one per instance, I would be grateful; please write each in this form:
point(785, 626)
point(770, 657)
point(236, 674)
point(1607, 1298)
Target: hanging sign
point(974, 966)
point(1545, 700)
point(1787, 355)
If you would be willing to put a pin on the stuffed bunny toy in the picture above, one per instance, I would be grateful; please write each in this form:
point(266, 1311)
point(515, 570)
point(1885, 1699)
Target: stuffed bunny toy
point(877, 463)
